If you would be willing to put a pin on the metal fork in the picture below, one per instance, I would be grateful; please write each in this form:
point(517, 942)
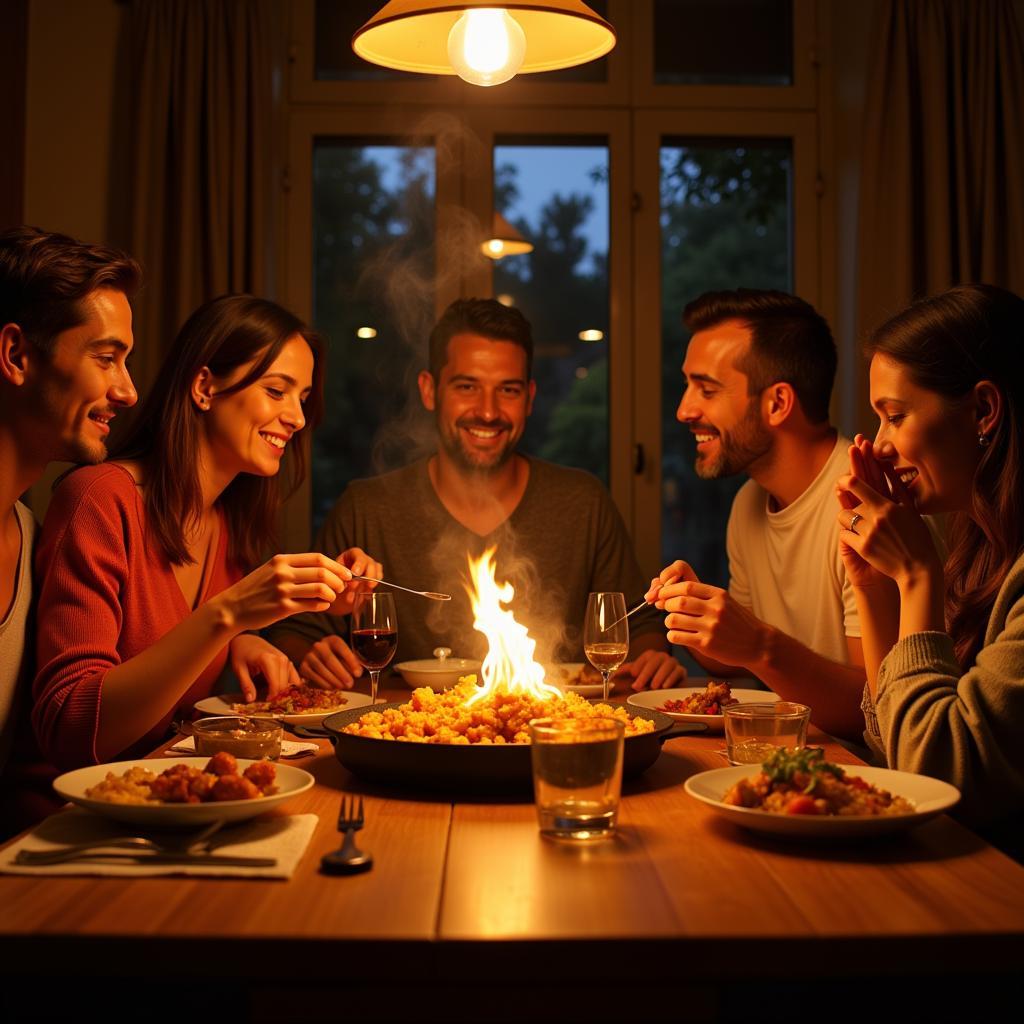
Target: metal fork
point(349, 859)
point(193, 842)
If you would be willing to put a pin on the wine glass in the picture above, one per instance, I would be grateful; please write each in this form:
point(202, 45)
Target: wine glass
point(606, 634)
point(374, 633)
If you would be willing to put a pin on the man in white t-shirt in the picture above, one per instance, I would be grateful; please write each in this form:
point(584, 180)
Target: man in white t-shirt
point(758, 372)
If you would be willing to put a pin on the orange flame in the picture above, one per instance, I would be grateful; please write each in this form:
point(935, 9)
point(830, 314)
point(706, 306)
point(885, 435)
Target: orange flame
point(509, 663)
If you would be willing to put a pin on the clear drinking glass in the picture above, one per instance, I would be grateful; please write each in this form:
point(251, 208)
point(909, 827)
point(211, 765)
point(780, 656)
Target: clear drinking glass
point(753, 732)
point(374, 635)
point(606, 634)
point(577, 775)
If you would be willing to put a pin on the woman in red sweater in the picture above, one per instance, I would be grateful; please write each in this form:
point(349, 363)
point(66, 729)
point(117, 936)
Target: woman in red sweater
point(141, 563)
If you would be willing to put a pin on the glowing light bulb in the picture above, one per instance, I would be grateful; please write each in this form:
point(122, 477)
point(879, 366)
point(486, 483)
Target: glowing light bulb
point(486, 46)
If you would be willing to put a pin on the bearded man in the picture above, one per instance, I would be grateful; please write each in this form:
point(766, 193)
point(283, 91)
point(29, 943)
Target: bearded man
point(758, 377)
point(557, 534)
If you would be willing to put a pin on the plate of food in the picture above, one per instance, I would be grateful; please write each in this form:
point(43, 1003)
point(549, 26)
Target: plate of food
point(798, 793)
point(298, 705)
point(700, 703)
point(181, 792)
point(575, 677)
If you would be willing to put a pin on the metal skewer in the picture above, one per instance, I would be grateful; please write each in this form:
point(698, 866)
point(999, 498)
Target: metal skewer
point(626, 616)
point(429, 594)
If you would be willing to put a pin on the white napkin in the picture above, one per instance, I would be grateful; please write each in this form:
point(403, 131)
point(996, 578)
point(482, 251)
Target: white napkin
point(289, 748)
point(283, 837)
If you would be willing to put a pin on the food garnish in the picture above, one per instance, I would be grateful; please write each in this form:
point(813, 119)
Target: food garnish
point(785, 763)
point(801, 781)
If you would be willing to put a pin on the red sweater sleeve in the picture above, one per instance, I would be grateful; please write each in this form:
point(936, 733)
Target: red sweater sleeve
point(82, 568)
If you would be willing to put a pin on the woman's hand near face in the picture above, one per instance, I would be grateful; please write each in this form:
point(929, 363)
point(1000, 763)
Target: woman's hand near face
point(358, 563)
point(889, 535)
point(286, 585)
point(253, 659)
point(864, 466)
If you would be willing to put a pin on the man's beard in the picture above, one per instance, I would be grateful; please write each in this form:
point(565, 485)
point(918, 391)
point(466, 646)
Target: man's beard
point(469, 462)
point(739, 448)
point(86, 454)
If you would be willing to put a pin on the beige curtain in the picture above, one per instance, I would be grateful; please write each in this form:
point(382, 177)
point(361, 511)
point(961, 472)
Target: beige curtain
point(942, 180)
point(201, 207)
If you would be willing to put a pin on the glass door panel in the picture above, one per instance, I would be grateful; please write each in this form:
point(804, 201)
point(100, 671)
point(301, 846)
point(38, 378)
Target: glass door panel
point(726, 220)
point(557, 196)
point(373, 300)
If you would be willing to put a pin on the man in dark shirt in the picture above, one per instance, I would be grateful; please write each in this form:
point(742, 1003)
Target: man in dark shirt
point(557, 535)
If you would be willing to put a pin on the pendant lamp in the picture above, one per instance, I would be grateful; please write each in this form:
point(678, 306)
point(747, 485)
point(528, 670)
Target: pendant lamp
point(505, 240)
point(483, 44)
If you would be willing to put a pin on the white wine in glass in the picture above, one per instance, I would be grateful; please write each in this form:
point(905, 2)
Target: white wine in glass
point(606, 634)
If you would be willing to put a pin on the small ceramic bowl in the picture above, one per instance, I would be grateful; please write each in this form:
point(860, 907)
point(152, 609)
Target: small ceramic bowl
point(437, 673)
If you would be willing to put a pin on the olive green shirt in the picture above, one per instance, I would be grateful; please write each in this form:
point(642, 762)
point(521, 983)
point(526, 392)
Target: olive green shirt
point(564, 539)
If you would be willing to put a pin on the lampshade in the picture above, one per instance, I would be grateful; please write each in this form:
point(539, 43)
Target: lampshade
point(505, 240)
point(413, 35)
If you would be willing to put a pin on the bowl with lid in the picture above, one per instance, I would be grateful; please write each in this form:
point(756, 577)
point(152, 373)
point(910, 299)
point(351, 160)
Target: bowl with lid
point(439, 672)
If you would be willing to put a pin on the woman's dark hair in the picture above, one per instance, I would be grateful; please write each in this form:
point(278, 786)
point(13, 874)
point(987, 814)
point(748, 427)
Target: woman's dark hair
point(790, 341)
point(947, 344)
point(227, 333)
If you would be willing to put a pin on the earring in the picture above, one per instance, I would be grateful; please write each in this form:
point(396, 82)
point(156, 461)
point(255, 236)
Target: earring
point(204, 404)
point(983, 439)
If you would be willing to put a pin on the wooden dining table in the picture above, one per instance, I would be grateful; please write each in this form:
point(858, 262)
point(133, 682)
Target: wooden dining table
point(469, 914)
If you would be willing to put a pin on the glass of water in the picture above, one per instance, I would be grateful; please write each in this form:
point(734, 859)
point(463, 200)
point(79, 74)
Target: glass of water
point(753, 732)
point(577, 775)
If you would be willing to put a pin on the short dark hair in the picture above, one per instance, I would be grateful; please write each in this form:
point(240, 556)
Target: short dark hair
point(486, 317)
point(790, 342)
point(44, 277)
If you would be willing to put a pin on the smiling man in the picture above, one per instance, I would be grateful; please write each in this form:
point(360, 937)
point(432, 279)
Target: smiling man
point(65, 333)
point(558, 535)
point(758, 376)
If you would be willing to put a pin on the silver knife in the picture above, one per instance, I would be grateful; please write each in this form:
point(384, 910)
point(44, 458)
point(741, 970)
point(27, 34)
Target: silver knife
point(41, 858)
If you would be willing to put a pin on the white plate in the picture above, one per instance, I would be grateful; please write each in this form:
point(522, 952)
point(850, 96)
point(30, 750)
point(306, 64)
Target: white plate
point(72, 786)
point(654, 699)
point(929, 796)
point(557, 674)
point(436, 673)
point(222, 705)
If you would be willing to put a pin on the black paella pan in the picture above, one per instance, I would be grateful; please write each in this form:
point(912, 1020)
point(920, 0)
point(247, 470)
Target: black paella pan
point(474, 768)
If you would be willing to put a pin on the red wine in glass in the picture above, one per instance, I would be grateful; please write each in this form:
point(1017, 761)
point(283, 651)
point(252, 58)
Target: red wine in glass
point(374, 635)
point(374, 647)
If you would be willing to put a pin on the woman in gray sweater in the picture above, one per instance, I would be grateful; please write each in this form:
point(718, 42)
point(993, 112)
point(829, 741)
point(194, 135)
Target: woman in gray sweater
point(944, 643)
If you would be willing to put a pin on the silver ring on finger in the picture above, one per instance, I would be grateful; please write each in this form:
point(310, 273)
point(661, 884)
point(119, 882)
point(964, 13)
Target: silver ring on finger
point(854, 520)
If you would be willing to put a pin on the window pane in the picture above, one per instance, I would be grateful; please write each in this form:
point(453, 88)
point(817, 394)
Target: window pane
point(336, 61)
point(726, 217)
point(556, 195)
point(373, 259)
point(723, 42)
